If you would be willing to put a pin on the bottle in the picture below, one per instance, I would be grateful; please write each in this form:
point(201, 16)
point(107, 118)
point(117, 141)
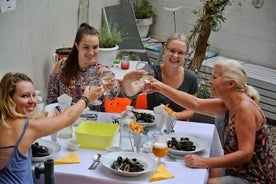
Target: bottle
point(125, 138)
point(39, 111)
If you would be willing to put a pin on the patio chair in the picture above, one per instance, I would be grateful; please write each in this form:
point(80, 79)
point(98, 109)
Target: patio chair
point(123, 16)
point(117, 105)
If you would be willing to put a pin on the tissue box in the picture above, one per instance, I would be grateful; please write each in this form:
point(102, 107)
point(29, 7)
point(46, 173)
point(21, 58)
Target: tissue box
point(96, 135)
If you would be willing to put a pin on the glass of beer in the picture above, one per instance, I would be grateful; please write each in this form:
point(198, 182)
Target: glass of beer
point(160, 150)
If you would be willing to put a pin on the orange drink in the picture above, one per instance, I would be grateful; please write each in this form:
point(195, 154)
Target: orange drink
point(160, 149)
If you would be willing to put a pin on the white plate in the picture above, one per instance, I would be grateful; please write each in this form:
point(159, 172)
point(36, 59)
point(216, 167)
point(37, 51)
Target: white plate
point(198, 142)
point(53, 148)
point(149, 164)
point(146, 124)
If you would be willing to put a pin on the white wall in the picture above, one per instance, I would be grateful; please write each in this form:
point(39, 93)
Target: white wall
point(30, 34)
point(248, 33)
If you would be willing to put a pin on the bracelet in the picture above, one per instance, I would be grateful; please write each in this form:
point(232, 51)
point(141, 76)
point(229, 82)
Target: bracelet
point(85, 100)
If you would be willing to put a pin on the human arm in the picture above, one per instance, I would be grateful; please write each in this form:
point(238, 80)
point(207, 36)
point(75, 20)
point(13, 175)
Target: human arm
point(129, 82)
point(53, 84)
point(48, 125)
point(185, 114)
point(113, 86)
point(245, 128)
point(213, 106)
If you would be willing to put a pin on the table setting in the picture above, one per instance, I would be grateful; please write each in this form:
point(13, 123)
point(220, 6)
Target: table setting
point(74, 165)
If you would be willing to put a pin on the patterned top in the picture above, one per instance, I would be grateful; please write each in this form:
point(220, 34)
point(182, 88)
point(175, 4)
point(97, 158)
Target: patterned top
point(75, 90)
point(261, 168)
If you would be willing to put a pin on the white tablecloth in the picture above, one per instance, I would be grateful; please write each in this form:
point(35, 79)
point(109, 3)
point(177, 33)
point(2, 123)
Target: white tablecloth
point(79, 173)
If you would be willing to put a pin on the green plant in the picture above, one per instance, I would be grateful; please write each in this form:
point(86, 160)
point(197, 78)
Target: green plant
point(210, 17)
point(144, 11)
point(109, 37)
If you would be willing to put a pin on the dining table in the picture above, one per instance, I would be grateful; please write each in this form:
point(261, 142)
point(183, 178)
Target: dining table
point(79, 173)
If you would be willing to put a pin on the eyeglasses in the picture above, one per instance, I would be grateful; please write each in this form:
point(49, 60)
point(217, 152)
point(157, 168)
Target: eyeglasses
point(180, 53)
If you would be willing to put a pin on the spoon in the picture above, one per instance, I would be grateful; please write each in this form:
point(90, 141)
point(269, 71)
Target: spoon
point(96, 160)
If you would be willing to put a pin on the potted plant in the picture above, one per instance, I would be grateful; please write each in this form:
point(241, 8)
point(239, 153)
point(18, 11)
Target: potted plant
point(144, 17)
point(109, 39)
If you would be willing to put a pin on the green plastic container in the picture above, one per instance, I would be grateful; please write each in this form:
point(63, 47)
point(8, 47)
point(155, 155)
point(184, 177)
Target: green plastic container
point(96, 135)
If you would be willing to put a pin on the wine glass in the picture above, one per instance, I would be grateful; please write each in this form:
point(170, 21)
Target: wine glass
point(149, 73)
point(160, 149)
point(106, 78)
point(94, 83)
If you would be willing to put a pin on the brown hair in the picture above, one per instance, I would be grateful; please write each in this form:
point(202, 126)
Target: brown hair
point(178, 36)
point(71, 67)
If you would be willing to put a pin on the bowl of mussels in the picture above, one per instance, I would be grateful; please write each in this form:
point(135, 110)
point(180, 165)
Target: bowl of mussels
point(44, 149)
point(128, 163)
point(144, 117)
point(184, 144)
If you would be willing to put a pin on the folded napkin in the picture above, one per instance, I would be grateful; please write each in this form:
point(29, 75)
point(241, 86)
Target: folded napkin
point(161, 173)
point(71, 158)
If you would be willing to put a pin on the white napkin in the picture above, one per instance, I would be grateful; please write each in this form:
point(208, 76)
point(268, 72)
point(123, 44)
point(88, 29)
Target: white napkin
point(64, 101)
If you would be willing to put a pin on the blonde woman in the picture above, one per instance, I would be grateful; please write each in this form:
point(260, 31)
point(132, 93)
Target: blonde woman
point(18, 130)
point(248, 157)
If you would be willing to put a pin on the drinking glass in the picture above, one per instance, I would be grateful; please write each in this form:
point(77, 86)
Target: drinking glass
point(137, 137)
point(149, 73)
point(125, 62)
point(159, 121)
point(160, 150)
point(106, 78)
point(94, 83)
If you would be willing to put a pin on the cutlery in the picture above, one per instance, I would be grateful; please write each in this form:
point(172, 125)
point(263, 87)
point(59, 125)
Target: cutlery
point(96, 160)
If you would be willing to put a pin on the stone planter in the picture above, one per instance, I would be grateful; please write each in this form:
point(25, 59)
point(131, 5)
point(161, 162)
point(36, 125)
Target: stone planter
point(143, 26)
point(107, 55)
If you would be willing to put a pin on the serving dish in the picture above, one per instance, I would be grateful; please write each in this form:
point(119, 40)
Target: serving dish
point(96, 135)
point(144, 123)
point(198, 142)
point(53, 148)
point(149, 164)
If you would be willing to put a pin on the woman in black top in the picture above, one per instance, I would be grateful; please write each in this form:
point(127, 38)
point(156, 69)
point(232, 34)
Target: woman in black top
point(170, 72)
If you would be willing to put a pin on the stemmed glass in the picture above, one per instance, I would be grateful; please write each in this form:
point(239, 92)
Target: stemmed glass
point(94, 83)
point(160, 149)
point(149, 72)
point(106, 77)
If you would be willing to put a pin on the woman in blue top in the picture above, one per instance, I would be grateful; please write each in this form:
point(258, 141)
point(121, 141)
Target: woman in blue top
point(18, 129)
point(170, 72)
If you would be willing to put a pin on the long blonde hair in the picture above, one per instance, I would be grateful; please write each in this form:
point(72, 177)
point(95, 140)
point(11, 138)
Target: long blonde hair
point(233, 70)
point(7, 89)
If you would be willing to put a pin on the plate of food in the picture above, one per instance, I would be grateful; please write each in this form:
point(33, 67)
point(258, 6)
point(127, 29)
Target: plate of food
point(180, 144)
point(128, 163)
point(144, 117)
point(44, 149)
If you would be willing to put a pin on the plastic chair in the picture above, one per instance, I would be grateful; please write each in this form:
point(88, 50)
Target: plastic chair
point(141, 101)
point(117, 105)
